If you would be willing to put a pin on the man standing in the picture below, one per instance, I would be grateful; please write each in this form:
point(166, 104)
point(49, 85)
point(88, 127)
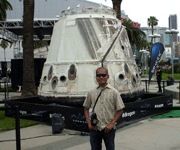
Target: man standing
point(159, 77)
point(109, 109)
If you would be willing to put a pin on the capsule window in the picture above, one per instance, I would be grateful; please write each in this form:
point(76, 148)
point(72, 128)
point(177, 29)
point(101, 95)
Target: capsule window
point(54, 82)
point(50, 73)
point(44, 79)
point(121, 76)
point(137, 76)
point(62, 78)
point(126, 68)
point(72, 72)
point(133, 81)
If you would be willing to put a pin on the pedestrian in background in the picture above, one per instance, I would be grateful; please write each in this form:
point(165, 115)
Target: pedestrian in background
point(109, 108)
point(159, 78)
point(170, 80)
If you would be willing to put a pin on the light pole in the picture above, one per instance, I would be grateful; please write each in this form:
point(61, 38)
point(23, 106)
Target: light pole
point(146, 60)
point(143, 54)
point(172, 32)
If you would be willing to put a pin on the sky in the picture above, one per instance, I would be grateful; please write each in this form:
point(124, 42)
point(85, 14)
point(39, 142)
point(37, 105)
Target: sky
point(140, 10)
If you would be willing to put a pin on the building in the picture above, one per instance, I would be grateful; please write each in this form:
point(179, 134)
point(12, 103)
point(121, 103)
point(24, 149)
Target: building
point(157, 30)
point(167, 39)
point(173, 25)
point(177, 49)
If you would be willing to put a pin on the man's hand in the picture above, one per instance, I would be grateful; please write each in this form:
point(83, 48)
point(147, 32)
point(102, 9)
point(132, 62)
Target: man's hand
point(92, 127)
point(108, 128)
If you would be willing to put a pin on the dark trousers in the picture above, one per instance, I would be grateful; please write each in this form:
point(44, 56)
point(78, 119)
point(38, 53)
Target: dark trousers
point(96, 139)
point(159, 85)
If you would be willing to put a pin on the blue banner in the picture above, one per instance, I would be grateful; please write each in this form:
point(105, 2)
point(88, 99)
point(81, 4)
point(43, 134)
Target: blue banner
point(156, 53)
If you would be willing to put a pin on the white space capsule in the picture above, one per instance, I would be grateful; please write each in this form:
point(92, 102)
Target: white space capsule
point(84, 39)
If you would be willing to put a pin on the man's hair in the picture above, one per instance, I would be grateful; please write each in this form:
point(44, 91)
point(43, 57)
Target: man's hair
point(102, 68)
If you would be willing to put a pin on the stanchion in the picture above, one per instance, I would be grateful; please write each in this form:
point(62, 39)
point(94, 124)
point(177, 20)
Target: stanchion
point(146, 85)
point(5, 89)
point(163, 88)
point(179, 92)
point(18, 139)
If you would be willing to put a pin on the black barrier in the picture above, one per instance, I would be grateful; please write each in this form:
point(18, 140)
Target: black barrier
point(18, 135)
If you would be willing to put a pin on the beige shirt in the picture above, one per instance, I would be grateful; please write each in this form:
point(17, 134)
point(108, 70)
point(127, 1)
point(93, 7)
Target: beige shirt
point(108, 104)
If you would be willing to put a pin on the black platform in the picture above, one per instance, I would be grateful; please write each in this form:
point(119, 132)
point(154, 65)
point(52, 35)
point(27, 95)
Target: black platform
point(148, 105)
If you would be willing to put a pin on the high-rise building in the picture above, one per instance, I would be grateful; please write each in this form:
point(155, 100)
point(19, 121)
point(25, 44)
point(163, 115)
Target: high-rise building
point(173, 25)
point(177, 50)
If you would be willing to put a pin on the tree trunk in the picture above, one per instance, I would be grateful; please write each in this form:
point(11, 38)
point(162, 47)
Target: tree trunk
point(152, 39)
point(29, 88)
point(117, 8)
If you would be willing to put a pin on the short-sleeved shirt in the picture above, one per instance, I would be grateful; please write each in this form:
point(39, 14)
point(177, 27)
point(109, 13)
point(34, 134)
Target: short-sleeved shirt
point(108, 104)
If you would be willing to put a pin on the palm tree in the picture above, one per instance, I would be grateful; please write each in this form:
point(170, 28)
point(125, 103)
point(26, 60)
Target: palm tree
point(4, 44)
point(28, 50)
point(136, 36)
point(152, 21)
point(4, 6)
point(117, 7)
point(29, 88)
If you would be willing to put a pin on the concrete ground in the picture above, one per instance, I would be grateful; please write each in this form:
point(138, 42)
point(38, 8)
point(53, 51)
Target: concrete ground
point(156, 134)
point(148, 134)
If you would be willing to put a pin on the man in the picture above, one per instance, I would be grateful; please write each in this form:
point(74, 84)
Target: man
point(170, 80)
point(159, 77)
point(109, 109)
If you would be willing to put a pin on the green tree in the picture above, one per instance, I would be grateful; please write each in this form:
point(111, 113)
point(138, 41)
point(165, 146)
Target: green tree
point(4, 44)
point(4, 6)
point(146, 45)
point(40, 43)
point(152, 21)
point(136, 36)
point(162, 63)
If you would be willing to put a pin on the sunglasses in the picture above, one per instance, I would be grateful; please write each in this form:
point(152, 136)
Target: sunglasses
point(99, 75)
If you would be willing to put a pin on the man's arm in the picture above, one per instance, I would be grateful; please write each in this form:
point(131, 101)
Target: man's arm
point(116, 118)
point(86, 113)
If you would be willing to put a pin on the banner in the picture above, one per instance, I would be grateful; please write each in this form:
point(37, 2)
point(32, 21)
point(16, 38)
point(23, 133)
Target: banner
point(156, 53)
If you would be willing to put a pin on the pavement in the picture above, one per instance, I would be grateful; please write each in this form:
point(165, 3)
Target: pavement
point(148, 134)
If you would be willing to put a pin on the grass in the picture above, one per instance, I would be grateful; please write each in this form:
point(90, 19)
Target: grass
point(9, 90)
point(7, 123)
point(171, 114)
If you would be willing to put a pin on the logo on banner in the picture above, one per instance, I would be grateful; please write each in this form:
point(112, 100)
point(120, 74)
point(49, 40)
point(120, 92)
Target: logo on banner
point(169, 102)
point(156, 53)
point(79, 121)
point(128, 114)
point(158, 105)
point(145, 112)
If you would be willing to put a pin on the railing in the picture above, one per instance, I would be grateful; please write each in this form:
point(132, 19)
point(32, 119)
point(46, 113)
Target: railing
point(149, 86)
point(6, 92)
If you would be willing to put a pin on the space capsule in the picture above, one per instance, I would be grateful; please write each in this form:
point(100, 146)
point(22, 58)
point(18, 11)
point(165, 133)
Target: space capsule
point(84, 39)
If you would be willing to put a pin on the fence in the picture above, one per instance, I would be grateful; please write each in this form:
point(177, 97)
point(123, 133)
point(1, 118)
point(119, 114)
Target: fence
point(153, 87)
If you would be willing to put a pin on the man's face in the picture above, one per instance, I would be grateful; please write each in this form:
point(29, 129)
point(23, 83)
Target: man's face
point(102, 80)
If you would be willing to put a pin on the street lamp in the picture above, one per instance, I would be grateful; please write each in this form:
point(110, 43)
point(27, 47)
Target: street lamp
point(154, 36)
point(144, 52)
point(171, 32)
